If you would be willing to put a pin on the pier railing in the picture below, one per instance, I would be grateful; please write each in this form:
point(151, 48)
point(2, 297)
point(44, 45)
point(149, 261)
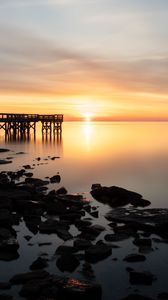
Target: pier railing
point(10, 121)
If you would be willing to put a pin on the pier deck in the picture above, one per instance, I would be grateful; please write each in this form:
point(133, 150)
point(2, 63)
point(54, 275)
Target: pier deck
point(24, 122)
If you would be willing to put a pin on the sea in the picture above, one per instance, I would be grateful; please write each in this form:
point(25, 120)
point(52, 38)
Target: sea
point(132, 155)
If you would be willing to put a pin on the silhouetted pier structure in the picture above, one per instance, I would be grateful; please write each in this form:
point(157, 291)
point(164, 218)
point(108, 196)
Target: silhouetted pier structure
point(21, 124)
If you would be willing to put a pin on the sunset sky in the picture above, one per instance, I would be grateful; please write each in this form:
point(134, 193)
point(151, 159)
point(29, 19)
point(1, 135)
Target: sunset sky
point(95, 59)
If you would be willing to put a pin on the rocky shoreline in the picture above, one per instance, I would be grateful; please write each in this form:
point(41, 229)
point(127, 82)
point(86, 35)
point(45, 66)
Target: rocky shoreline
point(24, 198)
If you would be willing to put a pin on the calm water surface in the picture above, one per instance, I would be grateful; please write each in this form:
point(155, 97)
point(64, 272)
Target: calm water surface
point(130, 155)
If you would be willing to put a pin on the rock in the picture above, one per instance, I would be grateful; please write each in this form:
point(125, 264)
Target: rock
point(116, 237)
point(5, 162)
point(28, 237)
point(143, 242)
point(163, 295)
point(144, 278)
point(80, 289)
point(97, 252)
point(5, 285)
point(39, 263)
point(82, 244)
point(25, 277)
point(44, 244)
point(36, 181)
point(34, 288)
point(62, 191)
point(116, 196)
point(134, 258)
point(64, 249)
point(8, 256)
point(64, 234)
point(55, 179)
point(52, 226)
point(28, 174)
point(94, 214)
point(5, 234)
point(67, 263)
point(9, 245)
point(27, 167)
point(136, 297)
point(6, 297)
point(6, 219)
point(87, 270)
point(4, 150)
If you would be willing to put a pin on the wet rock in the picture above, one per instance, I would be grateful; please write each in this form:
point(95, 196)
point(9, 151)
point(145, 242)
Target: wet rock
point(36, 181)
point(144, 278)
point(27, 167)
point(116, 237)
point(5, 234)
point(143, 242)
point(82, 244)
point(39, 263)
point(5, 162)
point(163, 295)
point(6, 219)
point(25, 277)
point(62, 191)
point(67, 263)
point(4, 150)
point(94, 214)
point(28, 174)
point(117, 196)
point(97, 252)
point(64, 249)
point(52, 226)
point(87, 270)
point(8, 256)
point(9, 245)
point(28, 237)
point(137, 297)
point(80, 289)
point(6, 297)
point(64, 234)
point(55, 179)
point(44, 244)
point(134, 258)
point(34, 288)
point(5, 285)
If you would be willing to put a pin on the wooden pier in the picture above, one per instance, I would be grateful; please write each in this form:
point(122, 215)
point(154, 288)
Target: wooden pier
point(23, 123)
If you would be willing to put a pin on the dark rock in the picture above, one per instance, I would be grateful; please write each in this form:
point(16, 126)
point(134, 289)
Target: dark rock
point(36, 181)
point(64, 234)
point(5, 285)
point(87, 270)
point(163, 295)
point(137, 297)
point(64, 249)
point(62, 191)
point(28, 237)
point(116, 237)
point(6, 297)
point(27, 167)
point(44, 244)
point(28, 174)
point(134, 258)
point(144, 278)
point(25, 277)
point(5, 234)
point(6, 219)
point(82, 244)
point(67, 263)
point(39, 263)
point(8, 255)
point(97, 252)
point(9, 245)
point(5, 162)
point(96, 186)
point(52, 226)
point(55, 179)
point(94, 214)
point(4, 150)
point(116, 196)
point(35, 288)
point(143, 242)
point(80, 289)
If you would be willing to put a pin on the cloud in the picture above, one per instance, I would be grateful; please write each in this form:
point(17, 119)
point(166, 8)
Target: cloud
point(30, 64)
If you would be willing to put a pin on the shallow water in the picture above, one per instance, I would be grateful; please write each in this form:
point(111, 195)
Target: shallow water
point(130, 155)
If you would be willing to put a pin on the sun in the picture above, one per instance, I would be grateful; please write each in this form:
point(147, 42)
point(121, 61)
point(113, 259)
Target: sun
point(88, 116)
